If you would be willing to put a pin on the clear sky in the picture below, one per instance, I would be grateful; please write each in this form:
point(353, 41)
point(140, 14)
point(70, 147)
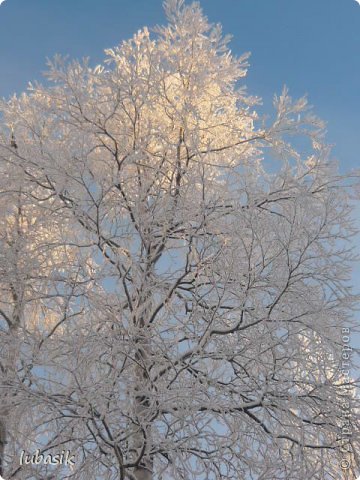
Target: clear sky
point(312, 46)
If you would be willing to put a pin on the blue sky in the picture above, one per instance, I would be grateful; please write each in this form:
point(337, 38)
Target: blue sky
point(312, 46)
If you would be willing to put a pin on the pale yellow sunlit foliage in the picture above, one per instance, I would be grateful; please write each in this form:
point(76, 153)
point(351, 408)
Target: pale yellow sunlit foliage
point(172, 121)
point(38, 252)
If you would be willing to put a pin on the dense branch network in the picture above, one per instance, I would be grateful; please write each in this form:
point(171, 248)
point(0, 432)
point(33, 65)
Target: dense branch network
point(169, 308)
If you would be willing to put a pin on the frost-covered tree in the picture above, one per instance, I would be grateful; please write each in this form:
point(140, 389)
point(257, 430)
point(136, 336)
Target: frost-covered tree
point(33, 254)
point(201, 309)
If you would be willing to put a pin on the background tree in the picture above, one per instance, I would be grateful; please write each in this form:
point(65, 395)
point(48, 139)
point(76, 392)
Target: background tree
point(34, 299)
point(201, 336)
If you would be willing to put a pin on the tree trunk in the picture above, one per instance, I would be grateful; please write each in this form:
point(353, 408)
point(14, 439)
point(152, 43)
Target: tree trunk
point(2, 445)
point(142, 410)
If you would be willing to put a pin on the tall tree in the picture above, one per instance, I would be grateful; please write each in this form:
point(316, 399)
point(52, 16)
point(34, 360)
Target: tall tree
point(208, 293)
